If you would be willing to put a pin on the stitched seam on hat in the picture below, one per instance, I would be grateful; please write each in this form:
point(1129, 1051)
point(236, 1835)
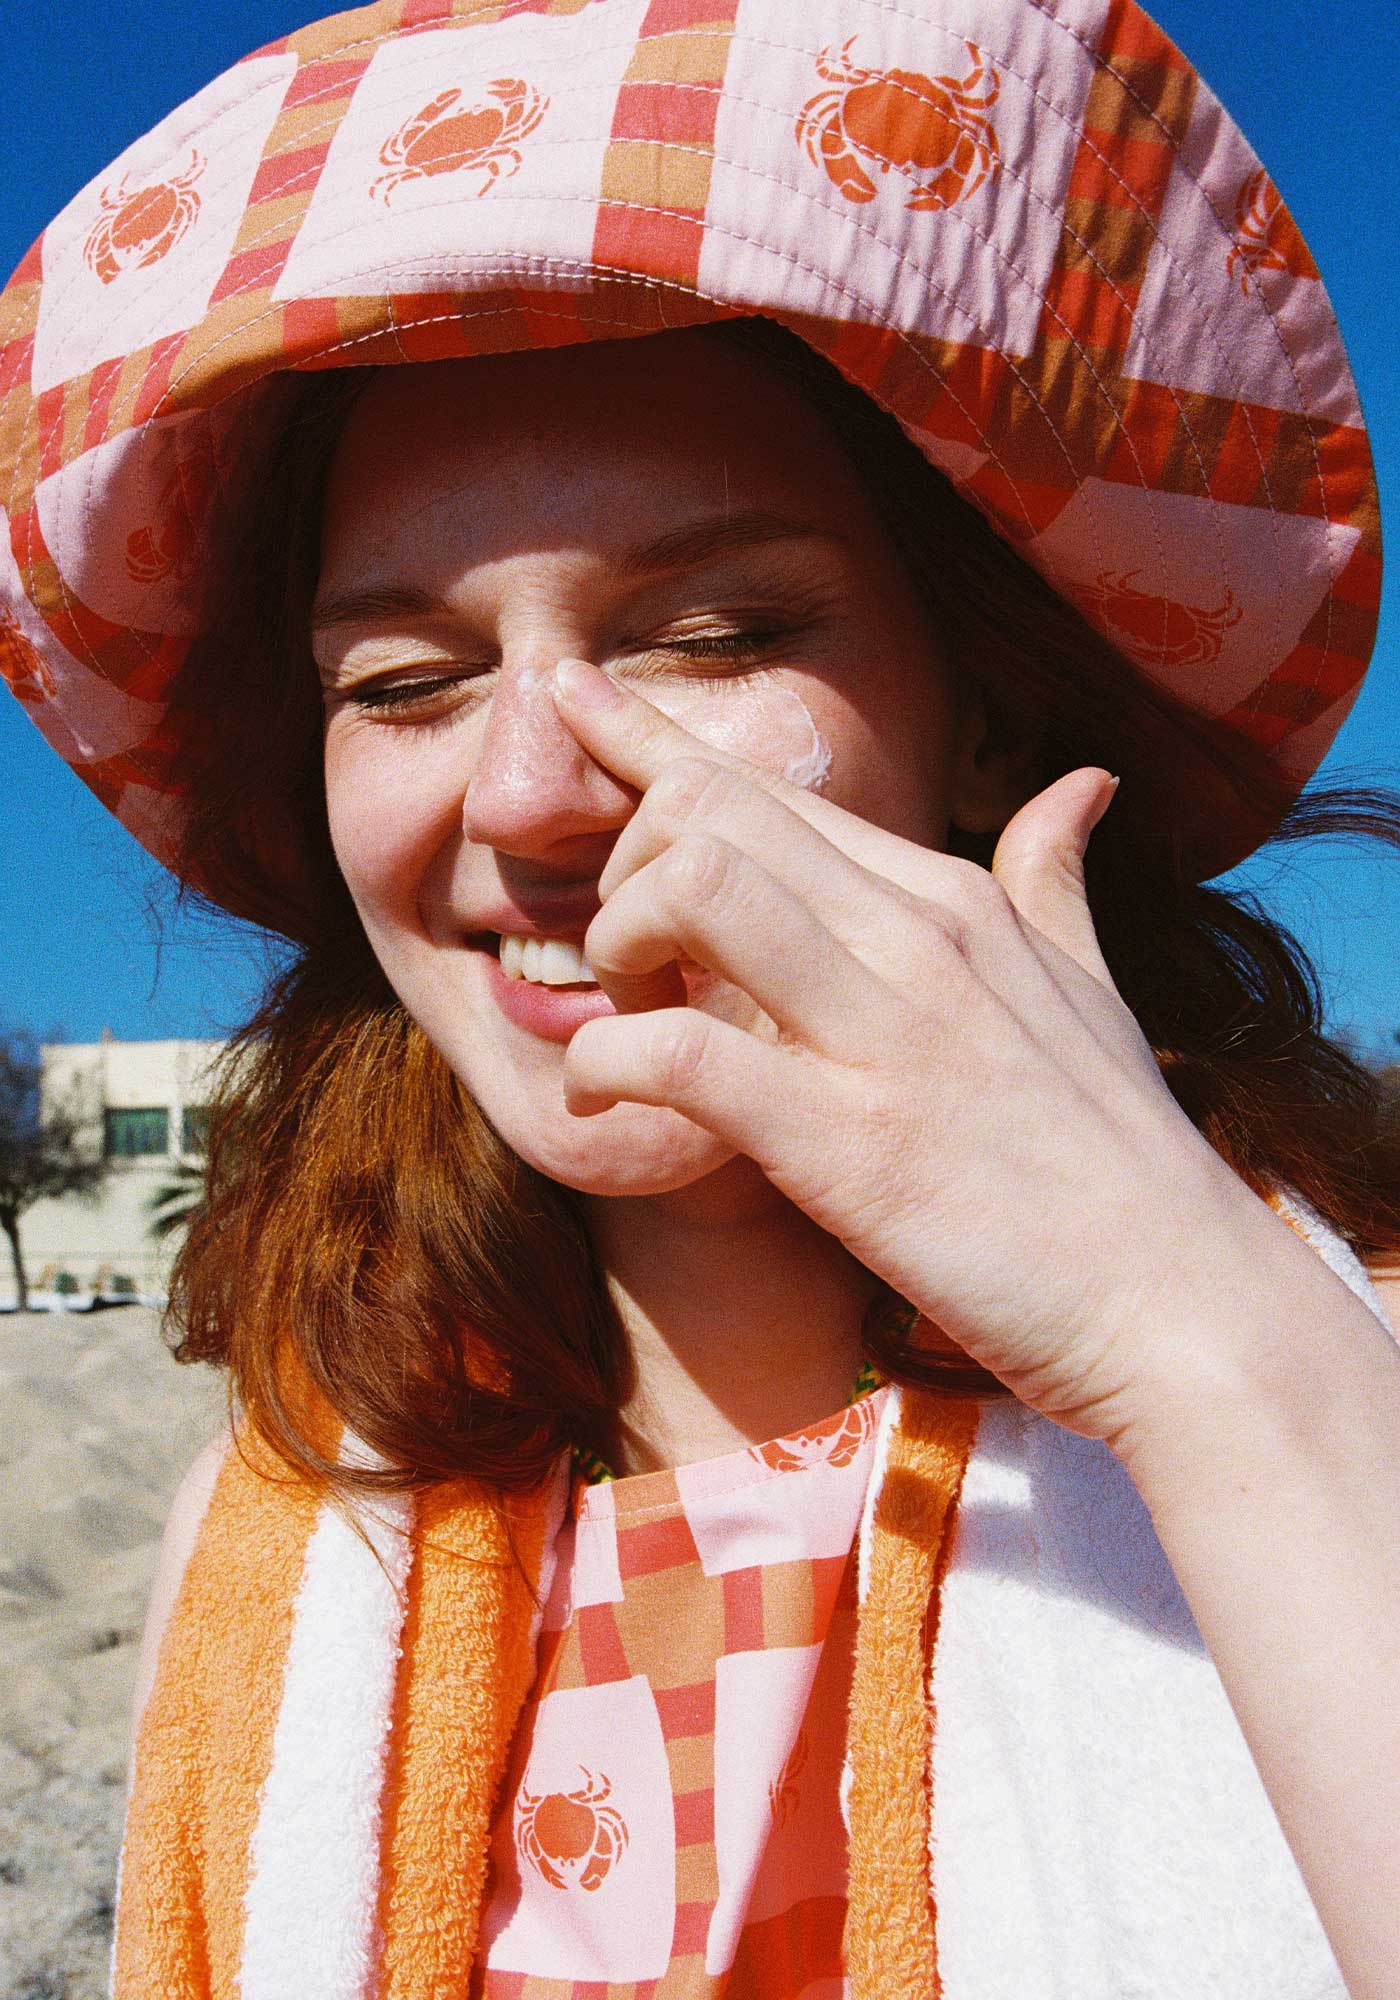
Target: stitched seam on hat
point(459, 271)
point(1077, 133)
point(517, 269)
point(394, 327)
point(513, 270)
point(396, 33)
point(1227, 232)
point(1075, 130)
point(981, 335)
point(717, 229)
point(523, 268)
point(333, 123)
point(1030, 83)
point(719, 90)
point(335, 347)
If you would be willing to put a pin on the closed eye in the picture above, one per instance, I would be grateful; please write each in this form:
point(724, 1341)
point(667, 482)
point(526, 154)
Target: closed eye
point(419, 690)
point(400, 694)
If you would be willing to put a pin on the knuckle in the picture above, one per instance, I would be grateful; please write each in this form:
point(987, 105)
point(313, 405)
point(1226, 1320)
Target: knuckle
point(969, 903)
point(978, 894)
point(702, 867)
point(946, 927)
point(683, 1054)
point(687, 785)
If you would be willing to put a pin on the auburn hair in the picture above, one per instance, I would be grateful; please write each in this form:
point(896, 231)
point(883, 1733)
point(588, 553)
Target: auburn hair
point(365, 1226)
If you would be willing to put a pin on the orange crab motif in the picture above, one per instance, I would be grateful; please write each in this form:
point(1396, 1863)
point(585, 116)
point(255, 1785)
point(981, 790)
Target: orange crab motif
point(1159, 631)
point(931, 129)
point(168, 546)
point(572, 1838)
point(139, 226)
point(782, 1790)
point(833, 1447)
point(1266, 236)
point(21, 664)
point(441, 140)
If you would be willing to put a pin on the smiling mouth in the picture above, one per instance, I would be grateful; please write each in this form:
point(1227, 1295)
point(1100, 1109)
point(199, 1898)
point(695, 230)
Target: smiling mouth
point(490, 942)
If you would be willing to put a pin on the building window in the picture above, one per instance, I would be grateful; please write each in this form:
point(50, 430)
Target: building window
point(133, 1135)
point(194, 1128)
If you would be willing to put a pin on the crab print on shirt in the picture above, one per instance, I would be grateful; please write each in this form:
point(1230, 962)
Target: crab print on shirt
point(572, 1838)
point(670, 1825)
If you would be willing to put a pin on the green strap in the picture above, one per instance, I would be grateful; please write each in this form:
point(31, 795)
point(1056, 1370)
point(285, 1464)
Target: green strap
point(596, 1470)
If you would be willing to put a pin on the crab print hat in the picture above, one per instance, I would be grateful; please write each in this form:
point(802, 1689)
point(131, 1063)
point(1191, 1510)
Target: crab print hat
point(1025, 227)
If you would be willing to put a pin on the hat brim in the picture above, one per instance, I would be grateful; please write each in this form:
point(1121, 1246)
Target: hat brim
point(1028, 231)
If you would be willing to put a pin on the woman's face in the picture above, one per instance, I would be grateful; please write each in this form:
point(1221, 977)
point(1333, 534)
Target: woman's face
point(672, 511)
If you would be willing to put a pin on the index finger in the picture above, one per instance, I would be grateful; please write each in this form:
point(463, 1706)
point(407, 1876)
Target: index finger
point(631, 735)
point(636, 741)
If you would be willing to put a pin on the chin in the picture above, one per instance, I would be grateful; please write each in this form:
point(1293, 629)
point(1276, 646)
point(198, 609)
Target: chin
point(633, 1149)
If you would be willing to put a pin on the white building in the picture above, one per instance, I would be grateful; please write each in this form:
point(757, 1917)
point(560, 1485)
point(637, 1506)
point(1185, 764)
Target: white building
point(143, 1104)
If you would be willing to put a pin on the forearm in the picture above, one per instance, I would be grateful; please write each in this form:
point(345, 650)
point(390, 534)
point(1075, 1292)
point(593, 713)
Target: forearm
point(1271, 1469)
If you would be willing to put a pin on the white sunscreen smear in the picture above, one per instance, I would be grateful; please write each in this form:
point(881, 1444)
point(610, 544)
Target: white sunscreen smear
point(811, 767)
point(770, 725)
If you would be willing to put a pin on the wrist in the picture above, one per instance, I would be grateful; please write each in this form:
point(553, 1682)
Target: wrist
point(1272, 1351)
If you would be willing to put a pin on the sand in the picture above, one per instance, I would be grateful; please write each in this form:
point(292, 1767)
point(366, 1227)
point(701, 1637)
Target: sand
point(97, 1426)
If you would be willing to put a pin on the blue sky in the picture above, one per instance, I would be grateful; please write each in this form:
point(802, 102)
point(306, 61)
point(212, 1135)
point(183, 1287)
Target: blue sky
point(88, 936)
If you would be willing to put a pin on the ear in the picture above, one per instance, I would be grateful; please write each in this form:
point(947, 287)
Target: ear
point(996, 761)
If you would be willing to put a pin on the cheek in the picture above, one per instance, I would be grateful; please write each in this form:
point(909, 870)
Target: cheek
point(768, 723)
point(386, 816)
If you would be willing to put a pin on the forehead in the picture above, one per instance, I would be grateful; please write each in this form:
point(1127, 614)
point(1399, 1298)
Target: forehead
point(609, 440)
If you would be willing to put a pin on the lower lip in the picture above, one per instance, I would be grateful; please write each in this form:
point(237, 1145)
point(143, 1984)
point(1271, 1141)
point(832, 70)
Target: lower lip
point(555, 1013)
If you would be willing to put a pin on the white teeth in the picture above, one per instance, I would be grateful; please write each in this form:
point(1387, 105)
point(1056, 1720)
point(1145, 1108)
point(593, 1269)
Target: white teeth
point(546, 961)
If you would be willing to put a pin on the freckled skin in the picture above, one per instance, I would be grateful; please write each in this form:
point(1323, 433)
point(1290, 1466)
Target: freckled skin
point(508, 488)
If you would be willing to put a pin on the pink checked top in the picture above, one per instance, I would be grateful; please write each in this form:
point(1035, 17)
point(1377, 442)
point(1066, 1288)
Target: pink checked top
point(670, 1822)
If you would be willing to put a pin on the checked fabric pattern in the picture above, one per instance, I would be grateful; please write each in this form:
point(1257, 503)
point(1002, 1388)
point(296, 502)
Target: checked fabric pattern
point(671, 1819)
point(670, 1825)
point(1026, 227)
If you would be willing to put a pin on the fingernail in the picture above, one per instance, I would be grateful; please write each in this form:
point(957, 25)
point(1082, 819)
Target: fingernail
point(1106, 799)
point(581, 681)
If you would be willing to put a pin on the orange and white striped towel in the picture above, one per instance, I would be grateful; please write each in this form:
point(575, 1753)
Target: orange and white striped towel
point(318, 1759)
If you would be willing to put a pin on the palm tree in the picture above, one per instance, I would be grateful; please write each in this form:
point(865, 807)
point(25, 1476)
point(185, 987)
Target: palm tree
point(172, 1205)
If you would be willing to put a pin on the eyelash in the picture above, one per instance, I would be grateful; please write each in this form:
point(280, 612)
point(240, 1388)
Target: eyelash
point(728, 646)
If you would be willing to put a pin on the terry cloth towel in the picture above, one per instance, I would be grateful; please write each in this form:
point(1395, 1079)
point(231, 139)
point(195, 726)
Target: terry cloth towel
point(317, 1763)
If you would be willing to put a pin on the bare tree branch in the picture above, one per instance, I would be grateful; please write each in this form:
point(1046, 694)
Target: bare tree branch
point(43, 1151)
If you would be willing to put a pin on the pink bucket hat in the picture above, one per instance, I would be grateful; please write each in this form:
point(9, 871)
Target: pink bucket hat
point(1025, 227)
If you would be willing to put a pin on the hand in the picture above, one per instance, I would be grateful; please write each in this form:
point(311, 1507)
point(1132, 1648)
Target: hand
point(957, 1091)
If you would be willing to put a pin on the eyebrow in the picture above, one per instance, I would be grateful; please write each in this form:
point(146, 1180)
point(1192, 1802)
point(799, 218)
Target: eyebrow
point(681, 548)
point(702, 541)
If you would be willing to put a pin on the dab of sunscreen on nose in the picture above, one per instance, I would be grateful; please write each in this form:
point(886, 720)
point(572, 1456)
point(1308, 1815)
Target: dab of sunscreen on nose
point(771, 726)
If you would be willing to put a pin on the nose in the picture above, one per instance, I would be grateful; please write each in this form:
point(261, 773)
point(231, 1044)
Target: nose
point(532, 785)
